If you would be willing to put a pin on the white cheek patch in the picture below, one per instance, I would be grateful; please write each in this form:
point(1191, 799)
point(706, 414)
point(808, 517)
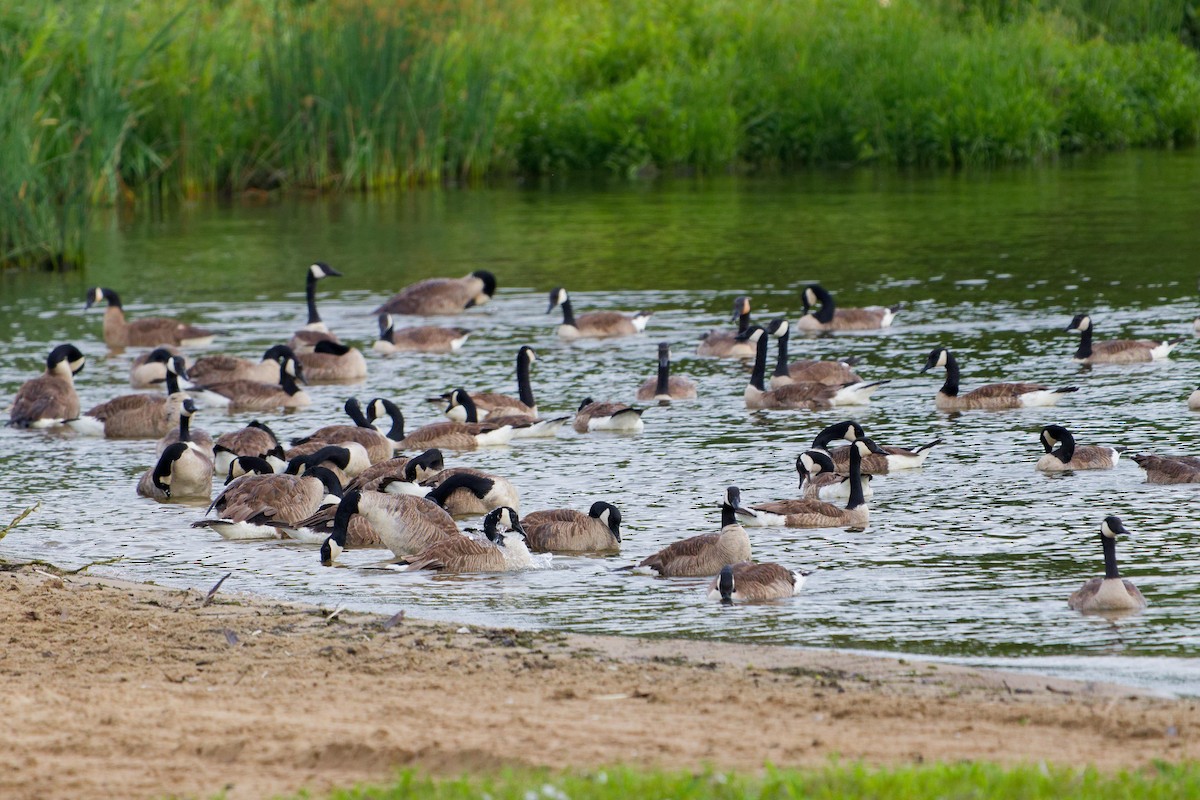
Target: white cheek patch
point(604, 516)
point(1107, 531)
point(316, 271)
point(810, 464)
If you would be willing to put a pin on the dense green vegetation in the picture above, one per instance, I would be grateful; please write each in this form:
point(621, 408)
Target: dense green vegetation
point(128, 101)
point(974, 781)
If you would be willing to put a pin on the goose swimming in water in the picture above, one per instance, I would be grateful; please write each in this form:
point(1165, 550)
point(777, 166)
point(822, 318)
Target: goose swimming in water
point(831, 318)
point(991, 396)
point(1116, 351)
point(1070, 456)
point(594, 324)
point(49, 399)
point(1112, 592)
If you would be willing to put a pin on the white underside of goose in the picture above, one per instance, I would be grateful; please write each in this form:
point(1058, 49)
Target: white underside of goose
point(407, 488)
point(85, 425)
point(1042, 397)
point(238, 531)
point(499, 436)
point(856, 394)
point(544, 429)
point(625, 422)
point(841, 491)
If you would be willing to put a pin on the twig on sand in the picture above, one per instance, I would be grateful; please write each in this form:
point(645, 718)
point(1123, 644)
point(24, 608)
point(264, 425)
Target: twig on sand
point(393, 620)
point(336, 611)
point(213, 591)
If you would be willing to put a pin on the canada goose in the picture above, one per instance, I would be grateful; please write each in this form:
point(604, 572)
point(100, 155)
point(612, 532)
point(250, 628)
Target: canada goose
point(1069, 456)
point(400, 475)
point(50, 398)
point(255, 396)
point(249, 465)
point(708, 553)
point(831, 373)
point(991, 396)
point(1169, 469)
point(378, 446)
point(809, 396)
point(1116, 351)
point(830, 318)
point(419, 339)
point(137, 416)
point(612, 417)
point(337, 458)
point(315, 330)
point(145, 332)
point(807, 513)
point(442, 295)
point(487, 403)
point(445, 435)
point(224, 369)
point(880, 461)
point(820, 479)
point(565, 530)
point(149, 369)
point(747, 581)
point(333, 362)
point(185, 432)
point(594, 324)
point(727, 344)
point(1112, 592)
point(666, 387)
point(256, 439)
point(502, 552)
point(254, 506)
point(461, 408)
point(184, 471)
point(474, 491)
point(1194, 400)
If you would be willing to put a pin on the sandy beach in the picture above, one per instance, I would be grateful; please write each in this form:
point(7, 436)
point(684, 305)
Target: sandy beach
point(126, 690)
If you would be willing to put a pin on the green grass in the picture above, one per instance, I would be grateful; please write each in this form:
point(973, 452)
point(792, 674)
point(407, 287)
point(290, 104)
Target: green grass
point(965, 781)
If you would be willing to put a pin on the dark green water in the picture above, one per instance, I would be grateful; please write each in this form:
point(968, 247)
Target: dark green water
point(969, 558)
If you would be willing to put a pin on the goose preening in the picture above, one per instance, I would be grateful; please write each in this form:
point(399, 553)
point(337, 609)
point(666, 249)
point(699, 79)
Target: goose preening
point(377, 445)
point(1169, 469)
point(417, 339)
point(184, 471)
point(748, 582)
point(831, 318)
point(504, 551)
point(50, 398)
point(461, 408)
point(186, 433)
point(1116, 351)
point(435, 296)
point(144, 332)
point(444, 435)
point(149, 369)
point(708, 553)
point(241, 395)
point(594, 324)
point(223, 368)
point(472, 492)
point(345, 460)
point(991, 396)
point(1070, 456)
point(880, 461)
point(810, 396)
point(666, 387)
point(809, 513)
point(315, 330)
point(255, 506)
point(256, 439)
point(821, 480)
point(400, 474)
point(137, 416)
point(728, 344)
point(565, 530)
point(1112, 592)
point(333, 362)
point(403, 523)
point(831, 373)
point(611, 417)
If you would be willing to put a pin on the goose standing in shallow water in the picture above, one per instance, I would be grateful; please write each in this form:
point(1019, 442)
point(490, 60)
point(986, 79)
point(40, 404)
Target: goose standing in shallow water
point(1112, 592)
point(144, 332)
point(1069, 456)
point(749, 582)
point(594, 324)
point(729, 344)
point(808, 513)
point(435, 296)
point(991, 396)
point(315, 330)
point(1116, 351)
point(708, 553)
point(666, 387)
point(830, 373)
point(50, 398)
point(830, 318)
point(417, 339)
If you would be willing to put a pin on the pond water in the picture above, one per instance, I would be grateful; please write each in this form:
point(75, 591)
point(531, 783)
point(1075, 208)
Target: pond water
point(970, 558)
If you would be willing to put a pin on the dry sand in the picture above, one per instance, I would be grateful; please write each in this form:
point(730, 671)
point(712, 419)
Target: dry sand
point(123, 690)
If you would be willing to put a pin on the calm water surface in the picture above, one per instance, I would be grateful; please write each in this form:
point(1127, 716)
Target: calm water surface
point(970, 558)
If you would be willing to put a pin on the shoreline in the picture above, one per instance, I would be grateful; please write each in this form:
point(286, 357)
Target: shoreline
point(124, 689)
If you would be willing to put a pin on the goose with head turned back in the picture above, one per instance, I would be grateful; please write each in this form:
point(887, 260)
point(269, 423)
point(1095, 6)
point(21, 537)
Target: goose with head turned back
point(315, 330)
point(461, 408)
point(144, 332)
point(612, 417)
point(831, 318)
point(807, 513)
point(749, 582)
point(1112, 592)
point(256, 439)
point(184, 472)
point(1116, 351)
point(831, 373)
point(444, 435)
point(378, 446)
point(223, 369)
point(666, 387)
point(49, 399)
point(254, 506)
point(809, 396)
point(728, 344)
point(442, 295)
point(565, 530)
point(254, 396)
point(880, 461)
point(594, 324)
point(991, 396)
point(503, 551)
point(333, 362)
point(417, 339)
point(1070, 456)
point(821, 480)
point(708, 553)
point(149, 369)
point(401, 470)
point(477, 492)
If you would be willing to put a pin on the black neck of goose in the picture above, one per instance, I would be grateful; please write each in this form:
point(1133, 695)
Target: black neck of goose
point(568, 313)
point(1110, 556)
point(112, 297)
point(825, 313)
point(524, 387)
point(341, 522)
point(469, 407)
point(760, 364)
point(1066, 449)
point(1085, 343)
point(781, 361)
point(950, 387)
point(728, 515)
point(355, 412)
point(856, 490)
point(185, 423)
point(287, 381)
point(475, 484)
point(310, 290)
point(664, 376)
point(172, 382)
point(743, 321)
point(396, 432)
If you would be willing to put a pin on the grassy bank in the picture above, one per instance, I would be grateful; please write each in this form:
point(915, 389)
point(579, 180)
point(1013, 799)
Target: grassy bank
point(128, 102)
point(975, 781)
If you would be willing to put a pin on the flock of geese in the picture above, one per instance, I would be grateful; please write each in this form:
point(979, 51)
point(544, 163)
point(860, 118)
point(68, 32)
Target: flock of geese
point(350, 485)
